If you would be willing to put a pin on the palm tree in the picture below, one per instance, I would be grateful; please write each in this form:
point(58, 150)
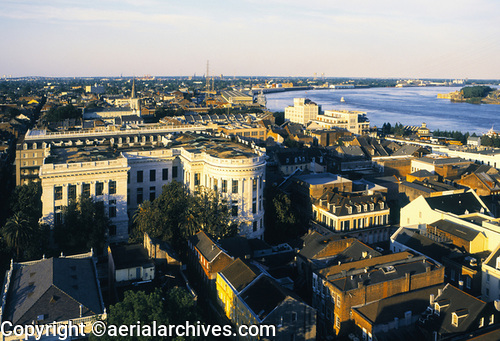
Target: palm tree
point(17, 232)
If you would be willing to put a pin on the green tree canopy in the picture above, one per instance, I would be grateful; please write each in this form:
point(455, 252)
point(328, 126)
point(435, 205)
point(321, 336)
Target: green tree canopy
point(61, 113)
point(84, 226)
point(281, 221)
point(175, 307)
point(18, 232)
point(476, 91)
point(177, 214)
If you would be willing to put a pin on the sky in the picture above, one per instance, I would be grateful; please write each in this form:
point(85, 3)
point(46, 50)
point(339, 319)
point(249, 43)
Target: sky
point(452, 39)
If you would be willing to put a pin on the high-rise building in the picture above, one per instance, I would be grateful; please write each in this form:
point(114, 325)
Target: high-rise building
point(302, 111)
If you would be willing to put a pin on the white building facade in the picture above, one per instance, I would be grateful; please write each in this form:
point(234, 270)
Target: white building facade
point(124, 182)
point(302, 111)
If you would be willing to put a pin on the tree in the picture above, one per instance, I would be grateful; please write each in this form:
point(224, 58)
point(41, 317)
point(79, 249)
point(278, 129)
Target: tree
point(281, 221)
point(27, 200)
point(177, 214)
point(63, 112)
point(84, 226)
point(175, 307)
point(18, 232)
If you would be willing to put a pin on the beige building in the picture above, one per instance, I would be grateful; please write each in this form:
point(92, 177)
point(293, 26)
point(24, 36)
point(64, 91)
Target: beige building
point(303, 111)
point(355, 122)
point(29, 158)
point(347, 212)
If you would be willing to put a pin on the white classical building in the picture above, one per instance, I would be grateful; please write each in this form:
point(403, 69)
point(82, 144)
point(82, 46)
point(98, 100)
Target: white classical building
point(123, 180)
point(302, 111)
point(71, 172)
point(354, 121)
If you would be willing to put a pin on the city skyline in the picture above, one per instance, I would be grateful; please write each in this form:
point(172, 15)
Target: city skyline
point(387, 39)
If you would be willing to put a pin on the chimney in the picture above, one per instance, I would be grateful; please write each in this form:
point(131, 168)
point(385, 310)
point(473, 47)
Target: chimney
point(431, 299)
point(440, 291)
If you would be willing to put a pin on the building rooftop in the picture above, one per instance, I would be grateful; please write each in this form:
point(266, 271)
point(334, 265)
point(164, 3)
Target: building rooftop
point(322, 179)
point(53, 290)
point(456, 230)
point(81, 154)
point(240, 274)
point(130, 256)
point(263, 296)
point(383, 273)
point(458, 204)
point(385, 310)
point(205, 245)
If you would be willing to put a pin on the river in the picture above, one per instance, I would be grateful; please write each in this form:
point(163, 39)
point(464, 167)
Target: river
point(409, 106)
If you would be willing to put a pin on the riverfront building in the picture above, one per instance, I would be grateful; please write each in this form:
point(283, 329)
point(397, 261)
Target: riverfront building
point(303, 111)
point(355, 122)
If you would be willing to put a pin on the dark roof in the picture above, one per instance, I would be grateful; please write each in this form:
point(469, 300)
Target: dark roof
point(458, 301)
point(429, 186)
point(406, 149)
point(130, 256)
point(237, 247)
point(343, 202)
point(356, 251)
point(455, 203)
point(422, 173)
point(314, 243)
point(415, 241)
point(457, 230)
point(55, 288)
point(262, 296)
point(205, 245)
point(240, 274)
point(385, 310)
point(442, 160)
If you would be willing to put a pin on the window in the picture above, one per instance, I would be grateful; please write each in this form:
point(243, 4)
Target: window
point(196, 179)
point(254, 185)
point(234, 210)
point(294, 317)
point(338, 301)
point(174, 171)
point(224, 186)
point(128, 177)
point(58, 193)
point(492, 319)
point(139, 176)
point(139, 196)
point(481, 322)
point(71, 192)
point(254, 207)
point(164, 174)
point(112, 187)
point(112, 230)
point(215, 185)
point(112, 211)
point(152, 175)
point(128, 196)
point(337, 322)
point(86, 190)
point(99, 187)
point(152, 193)
point(260, 179)
point(235, 186)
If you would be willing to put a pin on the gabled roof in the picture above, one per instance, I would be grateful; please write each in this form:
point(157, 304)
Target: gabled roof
point(263, 296)
point(458, 301)
point(55, 288)
point(240, 274)
point(457, 230)
point(385, 310)
point(206, 246)
point(406, 149)
point(456, 203)
point(415, 241)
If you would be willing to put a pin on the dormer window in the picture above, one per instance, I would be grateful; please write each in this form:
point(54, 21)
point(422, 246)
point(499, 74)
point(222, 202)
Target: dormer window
point(372, 206)
point(381, 205)
point(349, 209)
point(458, 315)
point(365, 207)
